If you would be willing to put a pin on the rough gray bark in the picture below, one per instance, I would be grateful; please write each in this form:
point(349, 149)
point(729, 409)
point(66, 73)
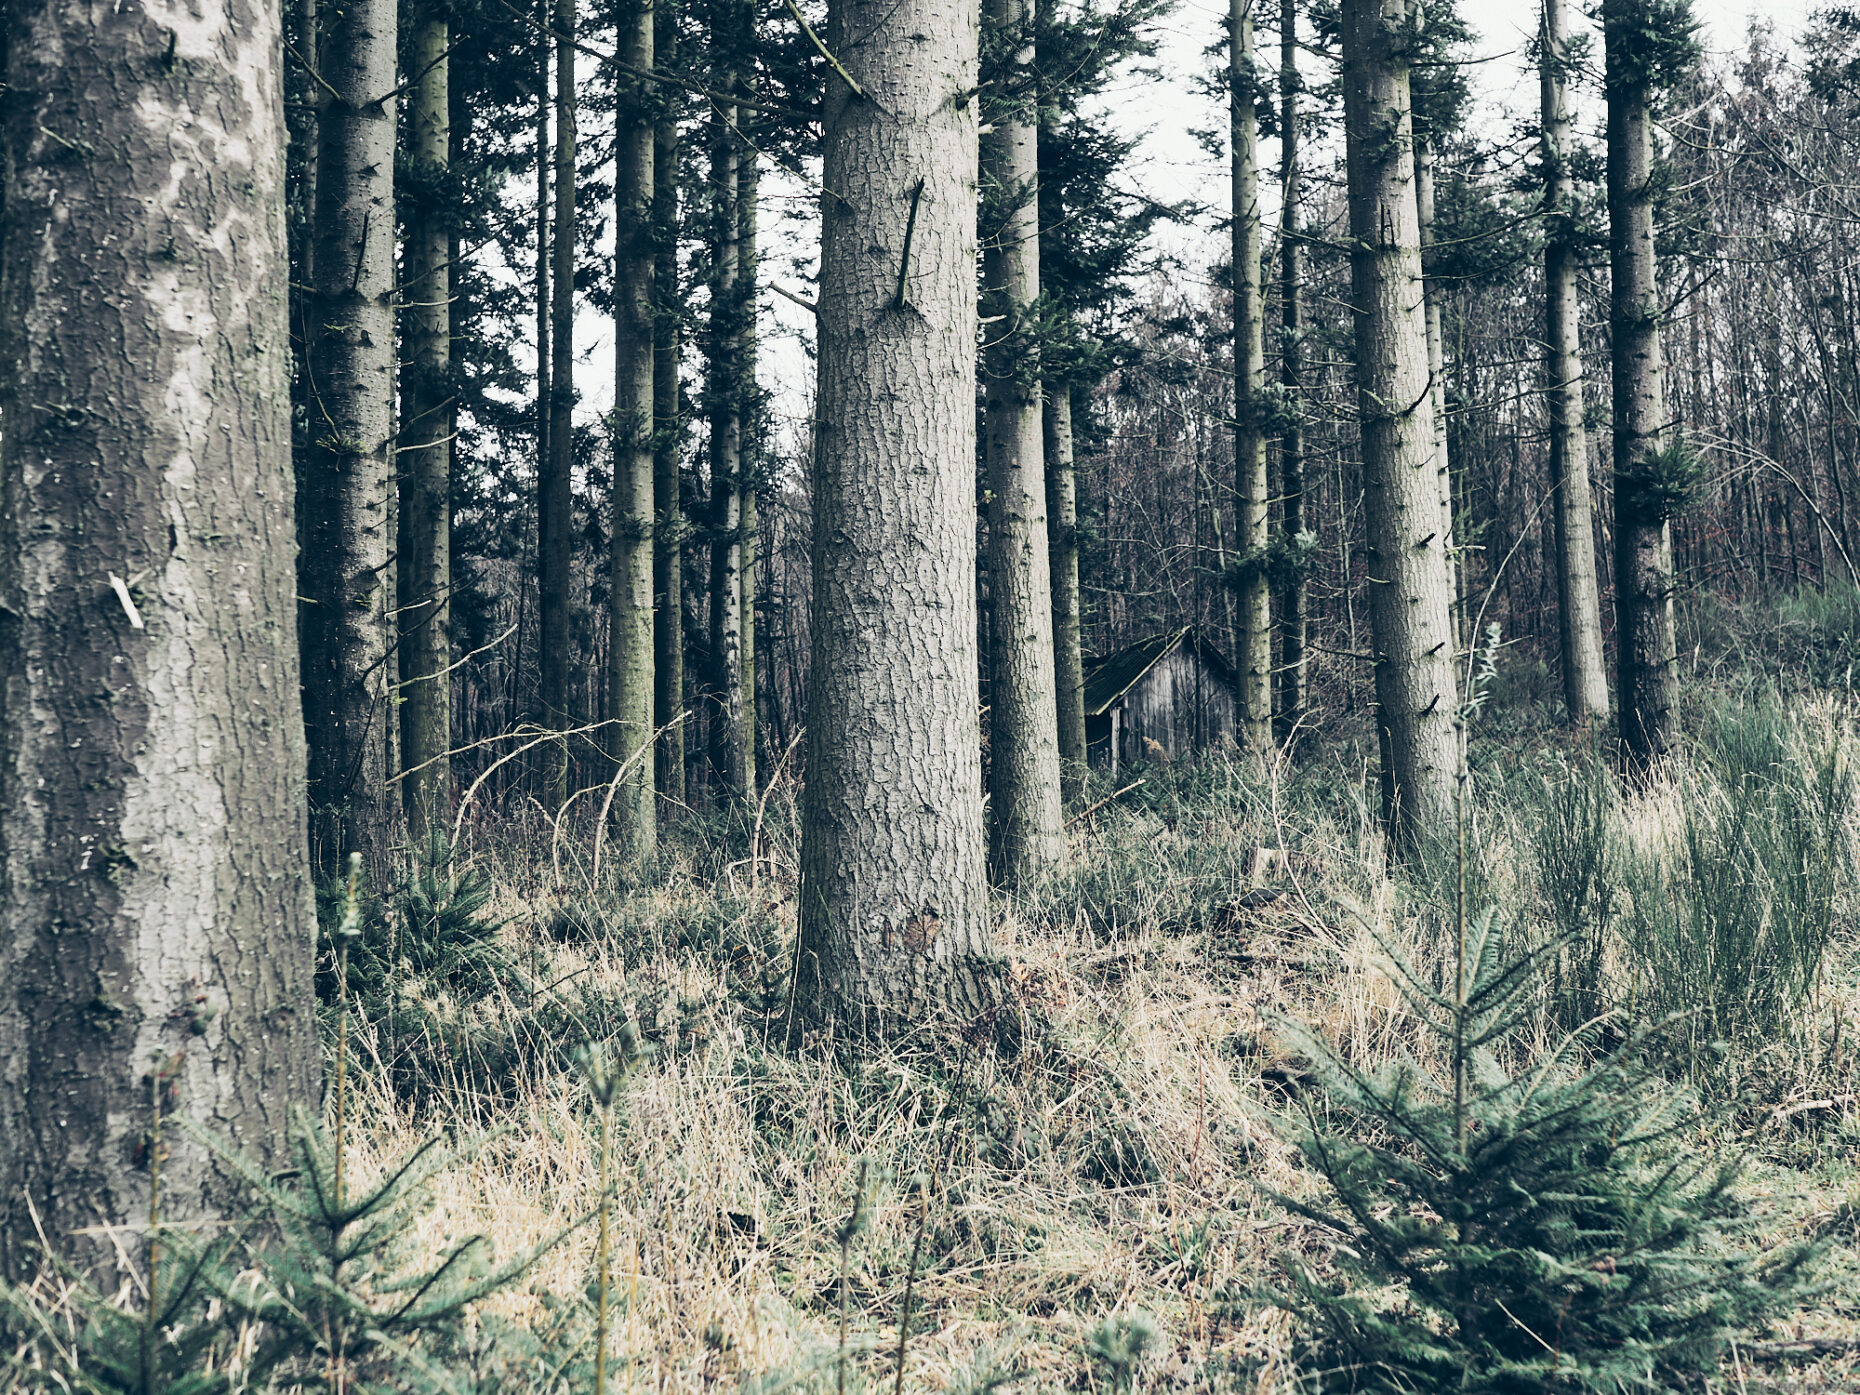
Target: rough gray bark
point(1024, 739)
point(1410, 582)
point(1579, 604)
point(749, 177)
point(668, 528)
point(1253, 596)
point(1437, 377)
point(1294, 603)
point(724, 387)
point(1062, 517)
point(554, 494)
point(425, 458)
point(543, 297)
point(345, 576)
point(1062, 533)
point(630, 685)
point(156, 925)
point(894, 899)
point(303, 100)
point(1646, 660)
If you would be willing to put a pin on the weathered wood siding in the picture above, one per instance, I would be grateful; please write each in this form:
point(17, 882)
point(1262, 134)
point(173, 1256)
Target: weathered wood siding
point(1182, 704)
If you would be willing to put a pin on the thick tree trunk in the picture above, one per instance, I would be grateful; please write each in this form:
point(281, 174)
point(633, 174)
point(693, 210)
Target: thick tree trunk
point(425, 570)
point(724, 387)
point(1410, 580)
point(156, 926)
point(1646, 661)
point(1437, 383)
point(544, 310)
point(1024, 742)
point(630, 686)
point(748, 185)
point(1579, 605)
point(894, 898)
point(668, 581)
point(555, 499)
point(1062, 530)
point(1062, 515)
point(304, 98)
point(1294, 604)
point(1253, 609)
point(345, 576)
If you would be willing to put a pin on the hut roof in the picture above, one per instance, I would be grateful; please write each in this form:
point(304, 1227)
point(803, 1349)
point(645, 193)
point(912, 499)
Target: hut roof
point(1108, 678)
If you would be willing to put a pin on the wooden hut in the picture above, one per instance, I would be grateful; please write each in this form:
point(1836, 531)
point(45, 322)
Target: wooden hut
point(1163, 698)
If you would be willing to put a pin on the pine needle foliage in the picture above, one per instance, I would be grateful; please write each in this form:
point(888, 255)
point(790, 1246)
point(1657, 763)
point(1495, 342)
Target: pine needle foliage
point(338, 1294)
point(1543, 1228)
point(71, 1336)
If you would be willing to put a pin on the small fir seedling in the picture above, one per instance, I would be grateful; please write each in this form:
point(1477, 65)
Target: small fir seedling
point(1118, 1343)
point(606, 1071)
point(858, 1220)
point(1546, 1228)
point(331, 1293)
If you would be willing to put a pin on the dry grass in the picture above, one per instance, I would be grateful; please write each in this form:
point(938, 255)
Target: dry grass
point(1114, 1165)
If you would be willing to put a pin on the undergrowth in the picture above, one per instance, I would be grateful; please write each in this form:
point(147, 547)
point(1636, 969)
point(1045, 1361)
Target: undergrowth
point(1094, 1212)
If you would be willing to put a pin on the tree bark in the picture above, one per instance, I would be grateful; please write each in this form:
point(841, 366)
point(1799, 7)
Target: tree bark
point(894, 900)
point(425, 570)
point(1253, 608)
point(303, 102)
point(631, 627)
point(156, 925)
point(345, 565)
point(544, 311)
point(724, 387)
point(1062, 516)
point(1579, 605)
point(555, 498)
point(1437, 383)
point(1294, 601)
point(748, 471)
point(668, 580)
point(1024, 742)
point(1410, 582)
point(1646, 659)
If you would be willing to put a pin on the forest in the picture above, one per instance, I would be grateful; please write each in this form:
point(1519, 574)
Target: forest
point(935, 695)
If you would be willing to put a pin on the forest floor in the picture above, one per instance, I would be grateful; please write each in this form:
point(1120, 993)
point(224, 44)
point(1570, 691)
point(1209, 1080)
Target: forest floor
point(1121, 1158)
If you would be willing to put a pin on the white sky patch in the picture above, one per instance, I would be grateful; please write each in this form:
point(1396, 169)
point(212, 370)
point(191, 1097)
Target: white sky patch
point(1169, 165)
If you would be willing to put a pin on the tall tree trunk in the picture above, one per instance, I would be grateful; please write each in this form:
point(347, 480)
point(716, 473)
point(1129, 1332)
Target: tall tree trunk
point(555, 499)
point(1294, 599)
point(1437, 382)
point(425, 570)
point(544, 313)
point(1062, 514)
point(1024, 742)
point(894, 898)
point(668, 552)
point(748, 472)
point(1253, 611)
point(304, 100)
point(725, 390)
point(630, 685)
point(344, 568)
point(1410, 579)
point(1579, 605)
point(156, 925)
point(1646, 659)
point(1062, 517)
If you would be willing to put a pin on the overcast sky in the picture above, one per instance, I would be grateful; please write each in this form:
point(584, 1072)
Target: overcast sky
point(1175, 167)
point(1171, 166)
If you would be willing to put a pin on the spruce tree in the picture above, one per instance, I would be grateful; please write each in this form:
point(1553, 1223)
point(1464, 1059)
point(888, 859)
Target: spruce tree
point(1503, 1222)
point(1650, 46)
